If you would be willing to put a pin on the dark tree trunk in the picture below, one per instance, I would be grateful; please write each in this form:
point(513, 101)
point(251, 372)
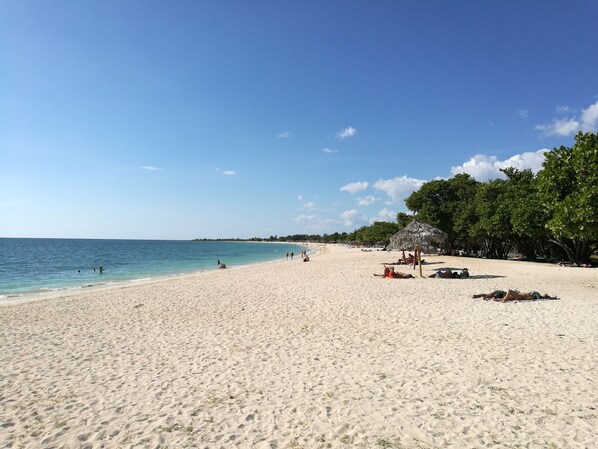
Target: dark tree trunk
point(578, 251)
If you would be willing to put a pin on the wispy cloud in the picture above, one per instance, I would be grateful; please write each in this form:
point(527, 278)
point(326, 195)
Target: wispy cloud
point(284, 135)
point(483, 167)
point(355, 187)
point(347, 132)
point(150, 168)
point(563, 127)
point(366, 200)
point(564, 110)
point(349, 217)
point(306, 205)
point(226, 172)
point(398, 188)
point(523, 113)
point(315, 223)
point(329, 150)
point(384, 215)
point(586, 121)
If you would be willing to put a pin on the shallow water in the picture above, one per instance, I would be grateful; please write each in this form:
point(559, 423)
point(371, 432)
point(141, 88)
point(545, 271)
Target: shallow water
point(39, 265)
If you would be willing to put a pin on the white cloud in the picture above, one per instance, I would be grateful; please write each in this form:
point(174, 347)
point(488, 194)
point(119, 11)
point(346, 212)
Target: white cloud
point(523, 113)
point(563, 109)
point(150, 168)
point(366, 200)
point(355, 187)
point(349, 217)
point(398, 188)
point(315, 223)
point(310, 205)
point(530, 159)
point(284, 135)
point(305, 219)
point(483, 167)
point(226, 172)
point(329, 150)
point(347, 132)
point(563, 127)
point(589, 118)
point(587, 121)
point(387, 214)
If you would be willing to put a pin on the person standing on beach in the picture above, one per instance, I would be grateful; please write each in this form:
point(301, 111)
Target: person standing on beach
point(287, 255)
point(292, 254)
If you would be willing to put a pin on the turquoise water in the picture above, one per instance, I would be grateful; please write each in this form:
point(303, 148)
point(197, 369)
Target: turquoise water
point(40, 265)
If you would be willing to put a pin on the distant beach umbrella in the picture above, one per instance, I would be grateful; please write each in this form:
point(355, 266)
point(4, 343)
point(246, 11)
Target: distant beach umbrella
point(417, 235)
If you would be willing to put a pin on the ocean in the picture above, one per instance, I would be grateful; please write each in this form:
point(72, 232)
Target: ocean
point(31, 266)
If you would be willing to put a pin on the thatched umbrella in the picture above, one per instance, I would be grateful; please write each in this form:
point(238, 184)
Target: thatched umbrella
point(415, 235)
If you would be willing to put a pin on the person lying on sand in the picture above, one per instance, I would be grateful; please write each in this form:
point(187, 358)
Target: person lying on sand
point(389, 272)
point(513, 295)
point(448, 274)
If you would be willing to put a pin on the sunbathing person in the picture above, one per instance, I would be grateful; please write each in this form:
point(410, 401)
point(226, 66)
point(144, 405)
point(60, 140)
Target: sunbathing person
point(513, 295)
point(389, 272)
point(449, 274)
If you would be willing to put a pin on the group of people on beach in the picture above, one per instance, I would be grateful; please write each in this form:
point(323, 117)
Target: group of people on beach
point(389, 272)
point(450, 274)
point(303, 255)
point(497, 295)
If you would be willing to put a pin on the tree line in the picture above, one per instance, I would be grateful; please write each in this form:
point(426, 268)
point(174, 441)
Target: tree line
point(552, 214)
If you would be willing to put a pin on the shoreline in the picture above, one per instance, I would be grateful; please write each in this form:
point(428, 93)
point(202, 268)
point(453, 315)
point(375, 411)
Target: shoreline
point(49, 293)
point(315, 355)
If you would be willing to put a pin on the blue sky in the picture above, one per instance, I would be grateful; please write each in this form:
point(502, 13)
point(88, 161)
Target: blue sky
point(175, 120)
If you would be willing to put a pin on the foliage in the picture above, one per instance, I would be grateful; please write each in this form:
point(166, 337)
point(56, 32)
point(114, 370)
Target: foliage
point(378, 232)
point(568, 186)
point(447, 205)
point(404, 219)
point(523, 211)
point(551, 214)
point(527, 214)
point(493, 225)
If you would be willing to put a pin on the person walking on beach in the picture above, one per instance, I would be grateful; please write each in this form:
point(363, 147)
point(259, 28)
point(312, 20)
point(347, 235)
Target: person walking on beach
point(292, 254)
point(287, 255)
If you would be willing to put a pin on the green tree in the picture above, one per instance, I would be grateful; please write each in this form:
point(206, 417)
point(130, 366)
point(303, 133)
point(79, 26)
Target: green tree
point(568, 186)
point(378, 232)
point(527, 214)
point(448, 205)
point(493, 226)
point(404, 219)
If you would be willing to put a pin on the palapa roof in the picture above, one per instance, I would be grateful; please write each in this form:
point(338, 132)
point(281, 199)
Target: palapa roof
point(417, 233)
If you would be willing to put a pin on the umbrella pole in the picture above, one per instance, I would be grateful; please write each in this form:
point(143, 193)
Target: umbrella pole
point(415, 257)
point(419, 260)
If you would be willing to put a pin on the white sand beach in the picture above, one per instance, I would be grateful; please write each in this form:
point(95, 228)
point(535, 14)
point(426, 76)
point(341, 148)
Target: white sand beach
point(307, 355)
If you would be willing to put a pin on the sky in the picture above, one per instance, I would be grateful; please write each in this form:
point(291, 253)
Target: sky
point(216, 119)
